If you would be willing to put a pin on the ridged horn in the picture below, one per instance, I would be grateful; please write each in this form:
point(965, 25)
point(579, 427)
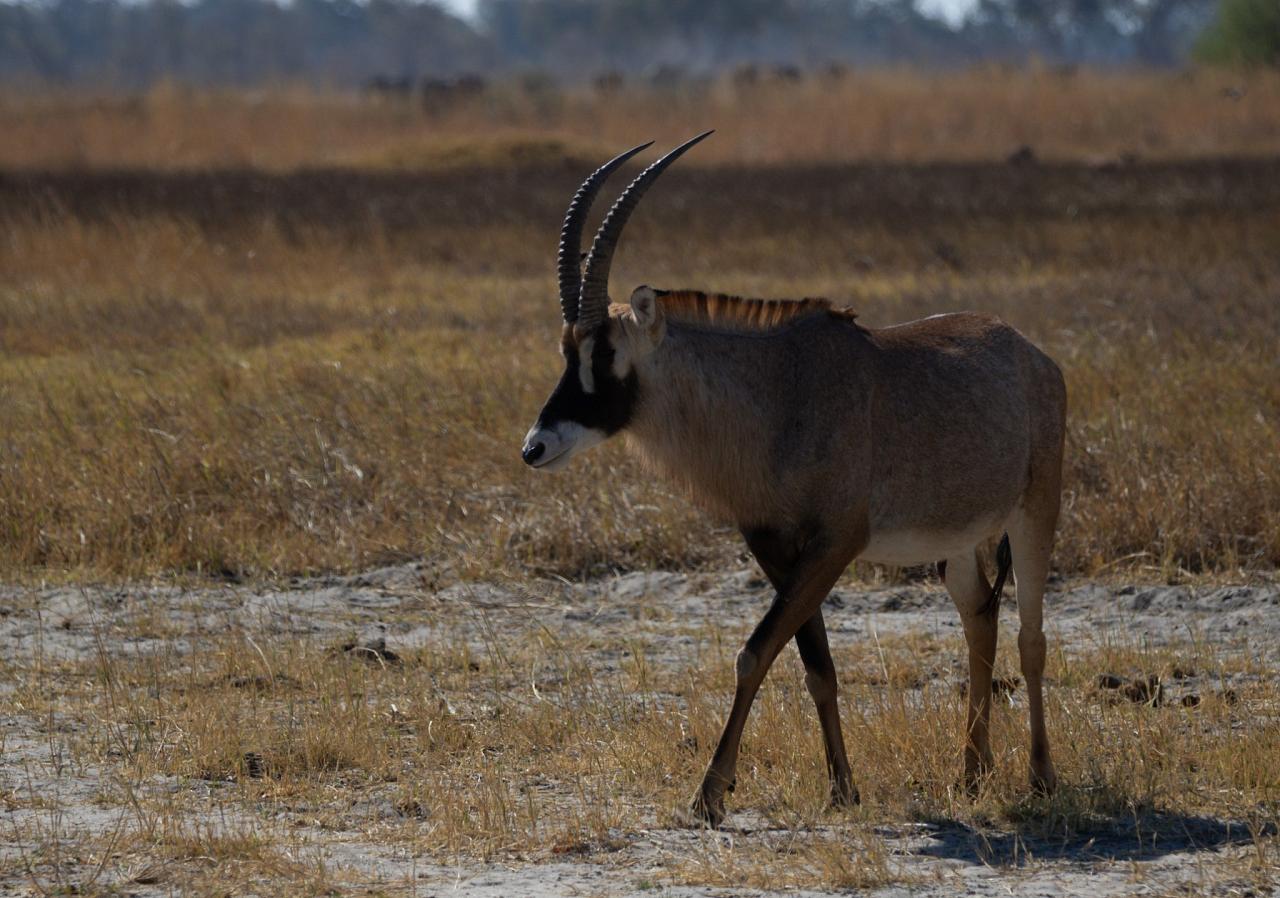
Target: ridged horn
point(594, 301)
point(569, 258)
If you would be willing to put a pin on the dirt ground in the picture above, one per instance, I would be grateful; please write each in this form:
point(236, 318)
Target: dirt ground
point(395, 611)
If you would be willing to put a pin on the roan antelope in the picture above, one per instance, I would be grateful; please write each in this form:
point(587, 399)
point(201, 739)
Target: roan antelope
point(824, 441)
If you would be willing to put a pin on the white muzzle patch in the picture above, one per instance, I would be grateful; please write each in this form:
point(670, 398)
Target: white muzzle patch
point(560, 443)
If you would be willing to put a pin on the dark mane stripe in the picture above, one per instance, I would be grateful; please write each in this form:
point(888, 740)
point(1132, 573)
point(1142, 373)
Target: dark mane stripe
point(722, 312)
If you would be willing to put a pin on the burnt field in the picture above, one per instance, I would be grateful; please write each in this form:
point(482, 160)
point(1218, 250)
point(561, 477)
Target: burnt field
point(727, 200)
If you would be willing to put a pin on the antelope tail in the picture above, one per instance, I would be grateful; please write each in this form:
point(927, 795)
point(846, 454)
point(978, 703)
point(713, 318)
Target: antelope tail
point(1004, 560)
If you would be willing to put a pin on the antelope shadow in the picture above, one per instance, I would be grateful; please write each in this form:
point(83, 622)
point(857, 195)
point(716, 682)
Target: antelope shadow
point(1144, 836)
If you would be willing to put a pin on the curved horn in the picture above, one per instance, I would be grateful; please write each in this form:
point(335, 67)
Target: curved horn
point(594, 302)
point(569, 258)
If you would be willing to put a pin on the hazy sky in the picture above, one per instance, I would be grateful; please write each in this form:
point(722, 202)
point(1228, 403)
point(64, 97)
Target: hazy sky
point(953, 10)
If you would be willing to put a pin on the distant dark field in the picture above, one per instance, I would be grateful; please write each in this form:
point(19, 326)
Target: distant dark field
point(264, 373)
point(360, 204)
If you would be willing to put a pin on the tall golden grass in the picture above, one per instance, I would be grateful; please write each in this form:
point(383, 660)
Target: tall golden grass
point(247, 374)
point(900, 115)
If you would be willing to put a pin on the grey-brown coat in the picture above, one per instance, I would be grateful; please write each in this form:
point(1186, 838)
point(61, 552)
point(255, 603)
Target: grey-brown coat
point(824, 441)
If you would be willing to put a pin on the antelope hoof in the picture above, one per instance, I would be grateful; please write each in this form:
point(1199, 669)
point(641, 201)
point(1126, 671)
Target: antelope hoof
point(977, 770)
point(844, 794)
point(1044, 781)
point(707, 810)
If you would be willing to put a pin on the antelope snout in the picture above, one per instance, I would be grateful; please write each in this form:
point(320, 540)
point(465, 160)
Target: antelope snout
point(533, 451)
point(544, 447)
point(549, 448)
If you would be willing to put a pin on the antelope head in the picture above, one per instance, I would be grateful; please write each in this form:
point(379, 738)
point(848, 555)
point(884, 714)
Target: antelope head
point(599, 388)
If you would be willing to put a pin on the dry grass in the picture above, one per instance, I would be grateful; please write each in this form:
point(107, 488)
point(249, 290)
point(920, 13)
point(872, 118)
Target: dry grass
point(982, 114)
point(248, 374)
point(240, 759)
point(242, 374)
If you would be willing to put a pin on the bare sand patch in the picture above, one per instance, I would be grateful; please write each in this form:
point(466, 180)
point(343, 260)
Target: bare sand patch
point(371, 733)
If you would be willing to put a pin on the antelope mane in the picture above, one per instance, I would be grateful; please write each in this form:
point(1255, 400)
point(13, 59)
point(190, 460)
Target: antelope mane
point(721, 312)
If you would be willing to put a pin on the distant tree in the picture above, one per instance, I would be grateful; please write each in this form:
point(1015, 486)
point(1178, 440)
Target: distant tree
point(1166, 30)
point(1107, 32)
point(129, 44)
point(1246, 32)
point(701, 37)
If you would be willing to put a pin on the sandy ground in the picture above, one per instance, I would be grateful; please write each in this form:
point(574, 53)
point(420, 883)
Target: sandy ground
point(1170, 856)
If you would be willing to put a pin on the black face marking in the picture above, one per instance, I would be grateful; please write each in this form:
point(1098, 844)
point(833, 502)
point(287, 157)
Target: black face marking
point(608, 409)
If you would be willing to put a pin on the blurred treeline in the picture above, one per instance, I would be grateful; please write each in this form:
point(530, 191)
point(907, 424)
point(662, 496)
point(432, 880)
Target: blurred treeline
point(340, 43)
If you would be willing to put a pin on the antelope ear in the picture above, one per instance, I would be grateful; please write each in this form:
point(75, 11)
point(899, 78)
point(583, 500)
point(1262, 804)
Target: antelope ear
point(644, 307)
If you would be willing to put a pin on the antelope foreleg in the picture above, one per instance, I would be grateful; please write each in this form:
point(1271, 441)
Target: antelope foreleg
point(777, 556)
point(809, 585)
point(820, 678)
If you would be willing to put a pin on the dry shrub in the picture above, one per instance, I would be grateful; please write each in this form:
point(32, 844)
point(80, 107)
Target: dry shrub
point(982, 114)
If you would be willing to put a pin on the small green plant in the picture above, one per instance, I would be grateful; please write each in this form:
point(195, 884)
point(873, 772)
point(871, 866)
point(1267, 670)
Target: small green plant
point(1246, 32)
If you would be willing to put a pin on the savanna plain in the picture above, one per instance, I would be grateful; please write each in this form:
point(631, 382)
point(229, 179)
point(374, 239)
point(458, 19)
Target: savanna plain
point(283, 612)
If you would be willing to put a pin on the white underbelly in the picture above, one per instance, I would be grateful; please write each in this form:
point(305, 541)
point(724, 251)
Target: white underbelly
point(903, 547)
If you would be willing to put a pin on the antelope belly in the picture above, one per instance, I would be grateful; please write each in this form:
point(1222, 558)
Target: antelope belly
point(902, 547)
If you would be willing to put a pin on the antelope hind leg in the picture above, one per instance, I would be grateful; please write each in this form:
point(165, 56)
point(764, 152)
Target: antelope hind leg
point(970, 591)
point(1031, 538)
